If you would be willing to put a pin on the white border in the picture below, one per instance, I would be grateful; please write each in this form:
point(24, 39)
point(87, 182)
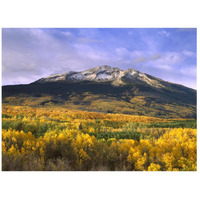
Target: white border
point(100, 185)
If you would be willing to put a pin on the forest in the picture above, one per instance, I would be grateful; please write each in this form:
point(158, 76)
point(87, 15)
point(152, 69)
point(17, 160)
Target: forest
point(57, 138)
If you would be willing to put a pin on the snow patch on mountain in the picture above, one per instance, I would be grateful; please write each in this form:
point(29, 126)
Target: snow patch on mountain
point(75, 76)
point(103, 77)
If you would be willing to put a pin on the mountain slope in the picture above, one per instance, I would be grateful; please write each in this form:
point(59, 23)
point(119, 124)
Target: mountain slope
point(107, 89)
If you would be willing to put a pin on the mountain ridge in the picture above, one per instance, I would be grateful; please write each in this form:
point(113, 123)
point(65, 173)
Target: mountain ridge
point(102, 74)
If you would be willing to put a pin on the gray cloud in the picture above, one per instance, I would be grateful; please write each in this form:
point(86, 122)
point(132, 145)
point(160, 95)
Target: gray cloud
point(142, 59)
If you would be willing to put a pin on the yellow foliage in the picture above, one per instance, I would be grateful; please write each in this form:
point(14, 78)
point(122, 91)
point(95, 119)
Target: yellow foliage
point(154, 167)
point(72, 135)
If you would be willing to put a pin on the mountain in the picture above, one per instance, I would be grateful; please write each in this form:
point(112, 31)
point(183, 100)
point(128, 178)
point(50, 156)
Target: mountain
point(107, 89)
point(105, 74)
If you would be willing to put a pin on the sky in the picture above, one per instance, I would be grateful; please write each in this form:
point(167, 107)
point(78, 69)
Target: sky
point(29, 54)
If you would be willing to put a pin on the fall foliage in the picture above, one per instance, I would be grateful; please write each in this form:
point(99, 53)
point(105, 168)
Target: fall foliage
point(48, 138)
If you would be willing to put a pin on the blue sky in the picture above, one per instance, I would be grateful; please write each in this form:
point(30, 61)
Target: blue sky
point(167, 53)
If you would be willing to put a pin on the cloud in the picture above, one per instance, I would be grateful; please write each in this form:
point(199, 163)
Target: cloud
point(166, 61)
point(188, 53)
point(189, 71)
point(164, 33)
point(143, 59)
point(155, 56)
point(136, 56)
point(140, 60)
point(67, 33)
point(163, 67)
point(30, 54)
point(169, 58)
point(123, 52)
point(86, 51)
point(131, 56)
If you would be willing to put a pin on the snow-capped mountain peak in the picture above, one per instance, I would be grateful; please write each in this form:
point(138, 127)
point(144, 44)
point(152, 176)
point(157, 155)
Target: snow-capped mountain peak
point(105, 73)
